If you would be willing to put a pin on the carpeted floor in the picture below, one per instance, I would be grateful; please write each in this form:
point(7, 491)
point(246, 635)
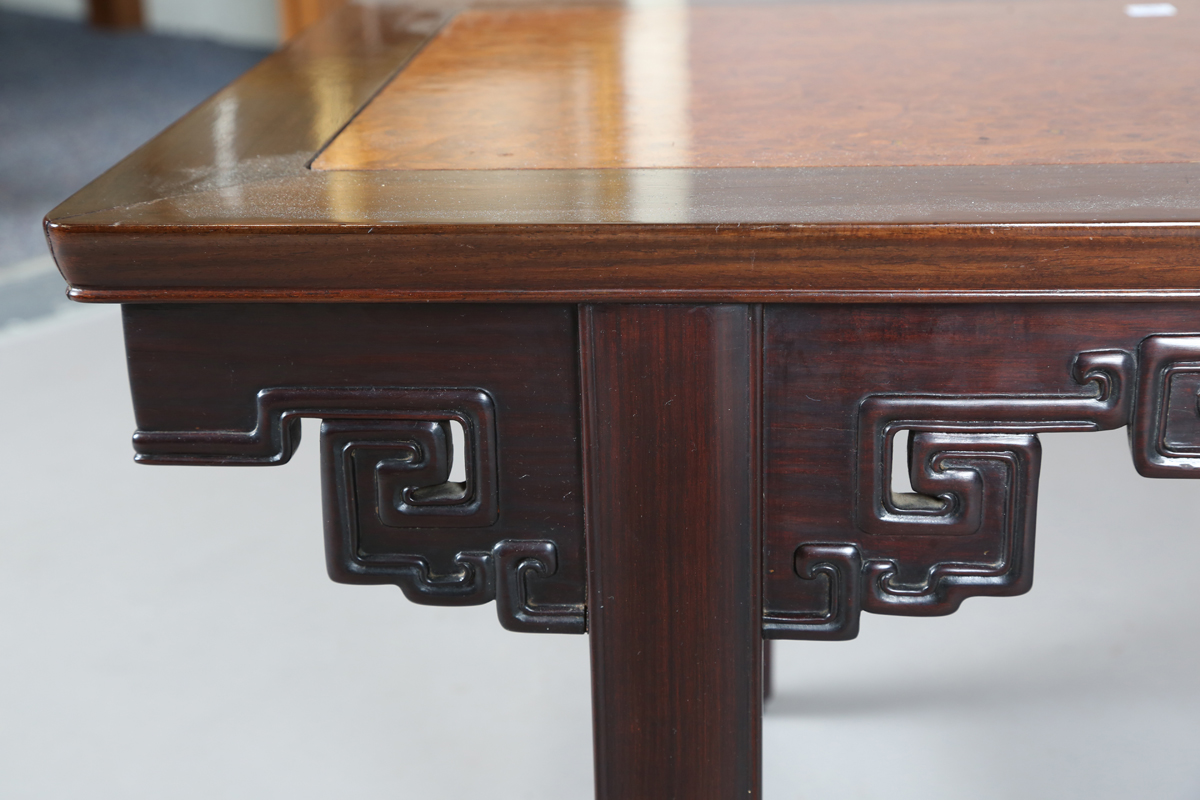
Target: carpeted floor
point(74, 101)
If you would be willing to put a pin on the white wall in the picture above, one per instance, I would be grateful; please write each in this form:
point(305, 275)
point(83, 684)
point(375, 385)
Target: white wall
point(249, 22)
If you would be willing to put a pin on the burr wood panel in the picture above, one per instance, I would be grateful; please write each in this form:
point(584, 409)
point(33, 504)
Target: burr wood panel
point(788, 85)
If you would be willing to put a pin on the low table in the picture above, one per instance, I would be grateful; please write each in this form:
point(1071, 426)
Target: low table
point(745, 319)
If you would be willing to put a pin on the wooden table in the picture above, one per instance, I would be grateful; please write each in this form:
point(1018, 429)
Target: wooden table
point(685, 278)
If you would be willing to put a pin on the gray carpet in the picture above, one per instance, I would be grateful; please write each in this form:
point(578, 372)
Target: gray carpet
point(73, 102)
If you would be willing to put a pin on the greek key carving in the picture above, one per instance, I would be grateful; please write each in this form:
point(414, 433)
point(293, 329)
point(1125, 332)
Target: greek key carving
point(403, 466)
point(1165, 436)
point(393, 474)
point(988, 486)
point(950, 503)
point(973, 465)
point(840, 565)
point(518, 561)
point(276, 431)
point(392, 515)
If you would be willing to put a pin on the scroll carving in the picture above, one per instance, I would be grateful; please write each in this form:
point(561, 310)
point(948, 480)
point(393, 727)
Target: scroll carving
point(391, 512)
point(988, 486)
point(276, 431)
point(968, 527)
point(503, 575)
point(840, 565)
point(973, 465)
point(1165, 436)
point(518, 561)
point(382, 474)
point(950, 503)
point(404, 466)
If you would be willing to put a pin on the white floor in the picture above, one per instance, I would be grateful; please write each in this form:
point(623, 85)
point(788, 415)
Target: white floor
point(168, 632)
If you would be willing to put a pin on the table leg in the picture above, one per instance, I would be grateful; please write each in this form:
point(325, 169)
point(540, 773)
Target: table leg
point(766, 670)
point(674, 548)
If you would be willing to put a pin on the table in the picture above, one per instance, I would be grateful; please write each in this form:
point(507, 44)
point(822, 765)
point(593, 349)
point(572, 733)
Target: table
point(689, 283)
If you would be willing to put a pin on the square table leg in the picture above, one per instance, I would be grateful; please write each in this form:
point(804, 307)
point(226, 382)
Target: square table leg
point(674, 550)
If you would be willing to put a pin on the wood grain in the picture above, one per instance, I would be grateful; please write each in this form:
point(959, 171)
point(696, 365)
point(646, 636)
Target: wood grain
point(654, 411)
point(268, 123)
point(670, 399)
point(221, 206)
point(626, 263)
point(789, 85)
point(196, 373)
point(961, 375)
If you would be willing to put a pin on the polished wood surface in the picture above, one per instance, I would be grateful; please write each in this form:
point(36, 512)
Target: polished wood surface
point(671, 442)
point(222, 206)
point(266, 125)
point(642, 422)
point(731, 464)
point(691, 263)
point(201, 378)
point(809, 85)
point(973, 385)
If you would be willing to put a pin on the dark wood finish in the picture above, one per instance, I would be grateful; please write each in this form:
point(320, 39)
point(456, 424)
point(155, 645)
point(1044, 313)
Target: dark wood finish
point(115, 13)
point(673, 549)
point(973, 385)
point(673, 413)
point(219, 384)
point(222, 206)
point(1165, 432)
point(789, 85)
point(686, 263)
point(768, 655)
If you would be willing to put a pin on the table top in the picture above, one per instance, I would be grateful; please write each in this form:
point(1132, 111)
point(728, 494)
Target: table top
point(811, 85)
point(808, 151)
